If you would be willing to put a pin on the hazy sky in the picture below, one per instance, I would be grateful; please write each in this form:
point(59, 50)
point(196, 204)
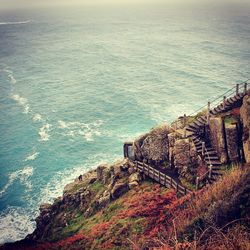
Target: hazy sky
point(37, 3)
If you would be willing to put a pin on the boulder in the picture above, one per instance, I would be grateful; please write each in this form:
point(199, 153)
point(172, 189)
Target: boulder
point(101, 173)
point(154, 146)
point(134, 177)
point(185, 158)
point(119, 189)
point(104, 200)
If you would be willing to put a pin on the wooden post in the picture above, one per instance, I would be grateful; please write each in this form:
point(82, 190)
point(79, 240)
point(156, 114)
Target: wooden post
point(245, 88)
point(171, 180)
point(159, 176)
point(224, 102)
point(185, 191)
point(184, 120)
point(177, 188)
point(165, 180)
point(237, 89)
point(197, 183)
point(208, 112)
point(203, 148)
point(185, 132)
point(210, 171)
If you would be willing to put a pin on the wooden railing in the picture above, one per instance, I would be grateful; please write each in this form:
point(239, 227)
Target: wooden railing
point(239, 88)
point(161, 178)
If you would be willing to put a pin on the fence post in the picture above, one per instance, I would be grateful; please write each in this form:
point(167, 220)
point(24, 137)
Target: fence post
point(224, 102)
point(177, 188)
point(210, 171)
point(208, 112)
point(197, 183)
point(171, 182)
point(245, 88)
point(185, 132)
point(203, 148)
point(237, 88)
point(184, 120)
point(165, 180)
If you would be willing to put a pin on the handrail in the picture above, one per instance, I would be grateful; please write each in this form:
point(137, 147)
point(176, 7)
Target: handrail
point(161, 177)
point(228, 94)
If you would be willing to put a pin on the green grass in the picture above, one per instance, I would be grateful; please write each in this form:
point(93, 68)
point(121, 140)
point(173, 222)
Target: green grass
point(187, 184)
point(97, 186)
point(231, 119)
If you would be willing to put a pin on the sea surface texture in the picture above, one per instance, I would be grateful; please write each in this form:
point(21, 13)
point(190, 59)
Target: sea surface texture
point(76, 83)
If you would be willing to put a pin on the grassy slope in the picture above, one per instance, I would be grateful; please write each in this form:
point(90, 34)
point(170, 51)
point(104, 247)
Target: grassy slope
point(150, 216)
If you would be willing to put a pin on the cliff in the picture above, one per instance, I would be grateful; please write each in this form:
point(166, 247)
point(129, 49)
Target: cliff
point(118, 207)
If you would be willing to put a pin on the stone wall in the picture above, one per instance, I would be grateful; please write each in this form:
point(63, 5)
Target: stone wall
point(232, 142)
point(216, 135)
point(245, 116)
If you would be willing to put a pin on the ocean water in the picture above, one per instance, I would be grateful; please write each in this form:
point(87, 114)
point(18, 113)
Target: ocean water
point(76, 83)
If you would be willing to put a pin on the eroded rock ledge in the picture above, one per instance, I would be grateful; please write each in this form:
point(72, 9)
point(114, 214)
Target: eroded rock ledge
point(87, 196)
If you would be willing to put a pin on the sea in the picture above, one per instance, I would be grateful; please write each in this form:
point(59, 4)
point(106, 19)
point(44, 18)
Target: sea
point(77, 82)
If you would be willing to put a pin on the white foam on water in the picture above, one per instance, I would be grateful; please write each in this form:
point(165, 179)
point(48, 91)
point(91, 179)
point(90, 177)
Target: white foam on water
point(15, 224)
point(54, 188)
point(15, 23)
point(22, 102)
point(37, 118)
point(44, 132)
point(32, 156)
point(10, 75)
point(86, 130)
point(22, 176)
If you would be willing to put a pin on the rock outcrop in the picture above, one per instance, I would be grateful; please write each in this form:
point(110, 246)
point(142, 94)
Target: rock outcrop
point(232, 142)
point(186, 158)
point(217, 137)
point(245, 116)
point(153, 147)
point(87, 196)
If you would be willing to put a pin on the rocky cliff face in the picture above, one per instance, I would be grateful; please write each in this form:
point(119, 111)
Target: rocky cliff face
point(186, 159)
point(245, 116)
point(153, 147)
point(87, 196)
point(217, 137)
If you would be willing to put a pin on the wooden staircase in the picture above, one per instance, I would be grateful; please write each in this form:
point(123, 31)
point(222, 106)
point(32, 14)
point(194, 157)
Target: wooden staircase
point(198, 133)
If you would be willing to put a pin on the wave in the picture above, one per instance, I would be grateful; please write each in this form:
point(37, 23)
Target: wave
point(54, 188)
point(32, 157)
point(85, 130)
point(15, 23)
point(22, 102)
point(10, 76)
point(15, 224)
point(43, 132)
point(37, 118)
point(22, 176)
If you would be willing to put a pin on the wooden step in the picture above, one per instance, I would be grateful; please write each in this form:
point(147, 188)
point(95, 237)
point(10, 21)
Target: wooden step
point(212, 158)
point(216, 173)
point(214, 153)
point(202, 119)
point(199, 124)
point(191, 129)
point(214, 163)
point(216, 168)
